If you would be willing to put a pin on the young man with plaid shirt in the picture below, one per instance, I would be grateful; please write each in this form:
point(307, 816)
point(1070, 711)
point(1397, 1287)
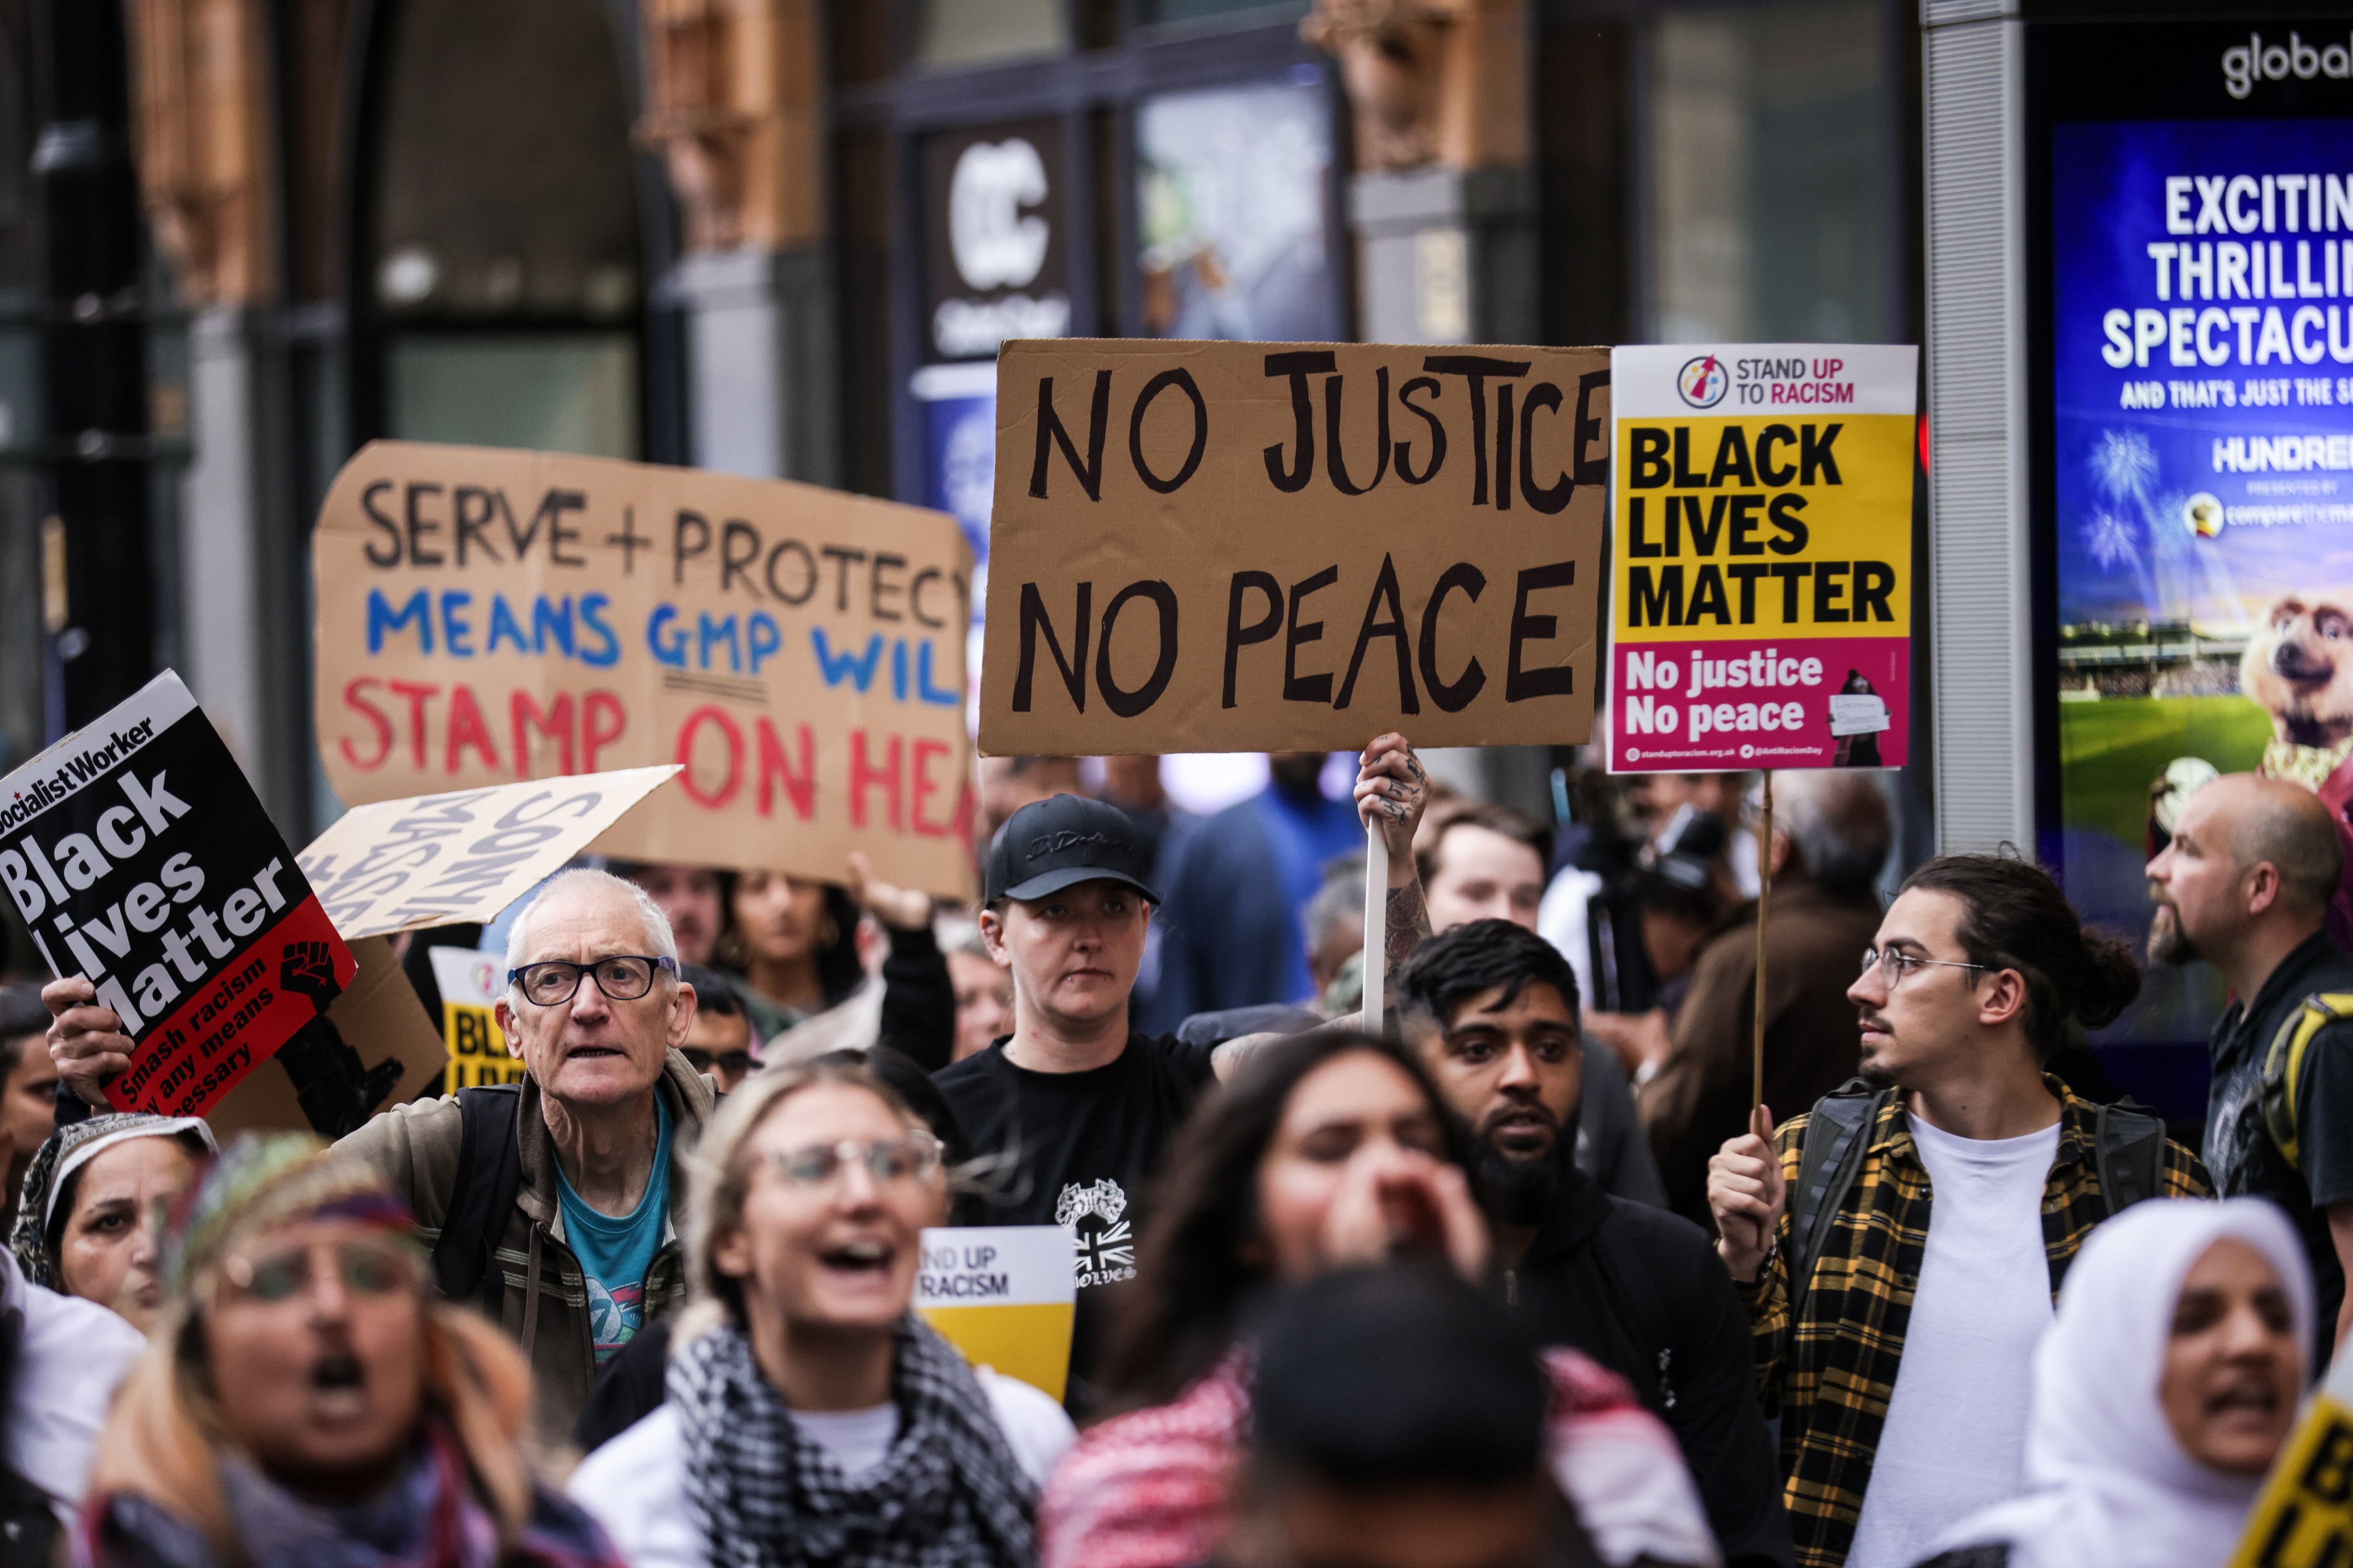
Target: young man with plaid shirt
point(1896, 1347)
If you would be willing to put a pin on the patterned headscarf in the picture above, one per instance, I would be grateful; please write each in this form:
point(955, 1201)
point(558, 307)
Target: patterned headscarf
point(40, 1221)
point(261, 1181)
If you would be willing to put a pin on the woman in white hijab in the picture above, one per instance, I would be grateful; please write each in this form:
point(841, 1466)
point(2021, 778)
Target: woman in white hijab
point(2169, 1378)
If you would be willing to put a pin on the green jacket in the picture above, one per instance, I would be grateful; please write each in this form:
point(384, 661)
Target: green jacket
point(546, 1300)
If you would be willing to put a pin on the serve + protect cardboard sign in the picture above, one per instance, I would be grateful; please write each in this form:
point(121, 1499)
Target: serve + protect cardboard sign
point(488, 615)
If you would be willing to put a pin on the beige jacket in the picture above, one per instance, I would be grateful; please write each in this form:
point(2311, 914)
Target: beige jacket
point(544, 1300)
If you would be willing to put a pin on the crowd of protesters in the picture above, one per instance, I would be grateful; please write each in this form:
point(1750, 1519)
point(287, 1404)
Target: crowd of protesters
point(1518, 1274)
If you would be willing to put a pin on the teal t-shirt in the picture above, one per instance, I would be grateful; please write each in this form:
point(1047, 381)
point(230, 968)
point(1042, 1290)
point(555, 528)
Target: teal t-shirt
point(615, 1253)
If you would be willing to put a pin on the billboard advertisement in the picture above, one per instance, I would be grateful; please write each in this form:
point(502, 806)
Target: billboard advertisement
point(2200, 484)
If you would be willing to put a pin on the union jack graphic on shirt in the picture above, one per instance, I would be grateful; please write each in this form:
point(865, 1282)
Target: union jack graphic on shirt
point(1104, 1249)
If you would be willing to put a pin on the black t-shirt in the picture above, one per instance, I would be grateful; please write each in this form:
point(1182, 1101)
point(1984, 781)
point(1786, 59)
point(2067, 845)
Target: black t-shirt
point(1084, 1147)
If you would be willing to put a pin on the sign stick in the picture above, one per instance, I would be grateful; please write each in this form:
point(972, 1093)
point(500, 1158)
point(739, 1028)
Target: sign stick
point(1764, 904)
point(1377, 906)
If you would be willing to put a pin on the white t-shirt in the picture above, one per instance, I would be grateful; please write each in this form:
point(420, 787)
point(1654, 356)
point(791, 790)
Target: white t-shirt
point(635, 1486)
point(71, 1356)
point(855, 1440)
point(1955, 1438)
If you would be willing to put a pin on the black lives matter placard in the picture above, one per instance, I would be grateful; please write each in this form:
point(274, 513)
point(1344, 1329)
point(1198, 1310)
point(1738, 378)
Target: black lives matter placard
point(141, 860)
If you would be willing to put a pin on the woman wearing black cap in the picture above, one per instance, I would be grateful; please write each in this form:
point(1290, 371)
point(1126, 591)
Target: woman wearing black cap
point(1078, 1103)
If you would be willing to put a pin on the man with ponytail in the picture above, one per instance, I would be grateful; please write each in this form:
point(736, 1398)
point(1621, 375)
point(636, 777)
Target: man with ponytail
point(1899, 1246)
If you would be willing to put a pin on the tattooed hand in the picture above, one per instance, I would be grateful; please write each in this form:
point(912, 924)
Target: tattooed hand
point(1391, 791)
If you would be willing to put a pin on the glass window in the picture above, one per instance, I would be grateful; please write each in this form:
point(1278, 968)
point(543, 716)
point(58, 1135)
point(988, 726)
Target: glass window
point(557, 392)
point(1773, 162)
point(1233, 201)
point(974, 32)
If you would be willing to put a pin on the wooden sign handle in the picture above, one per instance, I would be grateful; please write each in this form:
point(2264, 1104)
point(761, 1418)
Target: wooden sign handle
point(1376, 905)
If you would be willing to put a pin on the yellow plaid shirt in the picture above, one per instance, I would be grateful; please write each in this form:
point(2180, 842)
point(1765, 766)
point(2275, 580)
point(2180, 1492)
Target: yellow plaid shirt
point(1830, 1374)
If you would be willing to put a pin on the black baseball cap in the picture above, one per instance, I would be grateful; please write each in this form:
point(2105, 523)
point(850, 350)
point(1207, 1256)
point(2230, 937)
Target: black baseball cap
point(1052, 844)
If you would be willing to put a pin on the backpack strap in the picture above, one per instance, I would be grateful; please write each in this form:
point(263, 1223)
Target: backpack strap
point(2129, 1140)
point(1830, 1157)
point(490, 1175)
point(2284, 1066)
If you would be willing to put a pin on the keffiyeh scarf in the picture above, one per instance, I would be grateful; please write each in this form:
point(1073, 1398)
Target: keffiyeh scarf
point(949, 1494)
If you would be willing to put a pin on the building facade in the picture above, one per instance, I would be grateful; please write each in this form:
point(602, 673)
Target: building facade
point(786, 236)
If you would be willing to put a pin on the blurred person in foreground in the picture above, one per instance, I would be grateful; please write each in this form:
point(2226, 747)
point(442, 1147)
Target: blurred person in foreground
point(1480, 861)
point(811, 1415)
point(305, 1402)
point(1895, 1335)
point(1078, 1101)
point(719, 1042)
point(1237, 885)
point(2246, 885)
point(1326, 1151)
point(1490, 1009)
point(2169, 1382)
point(1398, 1421)
point(803, 969)
point(90, 1225)
point(28, 1086)
point(62, 1360)
point(1831, 832)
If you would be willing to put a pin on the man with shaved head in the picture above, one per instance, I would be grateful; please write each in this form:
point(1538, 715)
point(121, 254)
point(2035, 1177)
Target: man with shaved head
point(1830, 835)
point(2246, 885)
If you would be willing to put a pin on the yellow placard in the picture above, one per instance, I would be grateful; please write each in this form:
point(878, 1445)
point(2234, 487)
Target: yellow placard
point(470, 1024)
point(1005, 1296)
point(2305, 1517)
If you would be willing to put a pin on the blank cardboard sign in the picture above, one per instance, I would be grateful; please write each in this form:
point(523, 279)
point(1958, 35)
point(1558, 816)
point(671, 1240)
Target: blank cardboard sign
point(1235, 546)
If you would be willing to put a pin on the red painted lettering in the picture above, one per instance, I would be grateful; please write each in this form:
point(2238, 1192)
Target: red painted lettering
point(467, 728)
point(864, 776)
point(418, 696)
point(553, 721)
point(710, 799)
point(376, 720)
point(925, 788)
point(776, 768)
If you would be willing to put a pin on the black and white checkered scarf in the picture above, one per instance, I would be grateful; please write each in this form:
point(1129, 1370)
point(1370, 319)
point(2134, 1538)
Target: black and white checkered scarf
point(949, 1495)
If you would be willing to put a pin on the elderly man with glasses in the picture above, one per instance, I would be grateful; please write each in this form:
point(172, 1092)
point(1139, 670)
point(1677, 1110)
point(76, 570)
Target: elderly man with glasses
point(550, 1203)
point(1899, 1246)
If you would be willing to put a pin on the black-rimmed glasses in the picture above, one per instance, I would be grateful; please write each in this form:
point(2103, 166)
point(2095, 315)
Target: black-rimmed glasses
point(623, 977)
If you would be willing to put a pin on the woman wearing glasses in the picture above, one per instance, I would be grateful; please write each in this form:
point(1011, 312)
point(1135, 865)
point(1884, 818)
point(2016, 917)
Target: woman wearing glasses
point(811, 1415)
point(304, 1401)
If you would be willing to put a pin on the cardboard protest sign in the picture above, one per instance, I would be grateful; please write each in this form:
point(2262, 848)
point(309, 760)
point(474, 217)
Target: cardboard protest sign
point(141, 861)
point(2304, 1514)
point(1761, 584)
point(461, 858)
point(470, 982)
point(486, 615)
point(1233, 546)
point(379, 1019)
point(1005, 1295)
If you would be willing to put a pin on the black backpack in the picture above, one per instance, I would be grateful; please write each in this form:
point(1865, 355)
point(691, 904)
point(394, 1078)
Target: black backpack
point(2130, 1139)
point(490, 1175)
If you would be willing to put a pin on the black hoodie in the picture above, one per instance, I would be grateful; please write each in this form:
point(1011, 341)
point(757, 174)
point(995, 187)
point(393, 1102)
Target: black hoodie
point(1641, 1292)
